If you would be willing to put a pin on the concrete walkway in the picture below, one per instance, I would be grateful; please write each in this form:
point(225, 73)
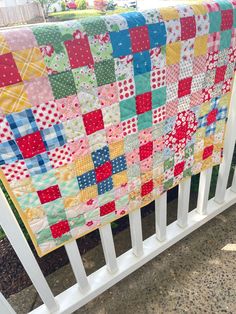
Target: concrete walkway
point(194, 276)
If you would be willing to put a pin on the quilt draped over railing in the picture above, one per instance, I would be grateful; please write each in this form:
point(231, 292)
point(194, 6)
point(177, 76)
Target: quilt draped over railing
point(99, 117)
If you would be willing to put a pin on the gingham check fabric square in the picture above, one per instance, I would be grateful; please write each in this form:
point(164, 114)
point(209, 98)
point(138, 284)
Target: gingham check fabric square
point(38, 164)
point(54, 137)
point(22, 123)
point(9, 152)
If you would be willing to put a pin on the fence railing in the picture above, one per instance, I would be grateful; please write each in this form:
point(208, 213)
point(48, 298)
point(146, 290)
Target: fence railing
point(88, 287)
point(20, 14)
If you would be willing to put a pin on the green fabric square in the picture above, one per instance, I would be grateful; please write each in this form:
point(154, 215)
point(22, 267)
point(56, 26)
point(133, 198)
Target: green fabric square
point(94, 26)
point(44, 235)
point(225, 39)
point(100, 51)
point(58, 61)
point(78, 221)
point(55, 211)
point(224, 4)
point(127, 109)
point(189, 151)
point(215, 21)
point(145, 120)
point(69, 188)
point(68, 28)
point(62, 84)
point(47, 34)
point(187, 173)
point(84, 78)
point(64, 238)
point(169, 163)
point(29, 200)
point(168, 184)
point(105, 72)
point(142, 83)
point(158, 97)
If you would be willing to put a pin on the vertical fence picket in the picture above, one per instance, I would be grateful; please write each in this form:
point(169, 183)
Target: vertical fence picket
point(233, 186)
point(5, 307)
point(136, 232)
point(160, 216)
point(183, 203)
point(76, 262)
point(16, 237)
point(108, 247)
point(229, 143)
point(203, 191)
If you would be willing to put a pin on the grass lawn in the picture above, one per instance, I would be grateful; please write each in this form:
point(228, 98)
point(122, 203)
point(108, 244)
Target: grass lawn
point(79, 14)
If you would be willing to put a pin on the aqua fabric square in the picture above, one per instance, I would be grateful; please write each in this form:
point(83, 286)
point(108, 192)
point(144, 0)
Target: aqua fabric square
point(87, 179)
point(121, 43)
point(142, 62)
point(142, 83)
point(234, 23)
point(225, 39)
point(145, 120)
point(100, 156)
point(127, 109)
point(224, 4)
point(158, 97)
point(157, 34)
point(215, 22)
point(134, 19)
point(105, 186)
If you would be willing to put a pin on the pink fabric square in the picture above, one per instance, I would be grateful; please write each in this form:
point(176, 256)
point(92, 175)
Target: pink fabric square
point(171, 108)
point(60, 156)
point(5, 131)
point(68, 107)
point(46, 115)
point(20, 39)
point(195, 99)
point(145, 136)
point(146, 164)
point(108, 94)
point(114, 133)
point(199, 65)
point(132, 158)
point(79, 147)
point(39, 91)
point(15, 171)
point(172, 73)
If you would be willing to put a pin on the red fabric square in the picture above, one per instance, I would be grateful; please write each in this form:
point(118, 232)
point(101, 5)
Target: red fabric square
point(144, 102)
point(207, 152)
point(147, 188)
point(188, 27)
point(139, 39)
point(107, 208)
point(220, 74)
point(79, 52)
point(226, 19)
point(211, 118)
point(179, 168)
point(184, 87)
point(50, 194)
point(104, 171)
point(93, 121)
point(9, 73)
point(146, 150)
point(31, 145)
point(60, 228)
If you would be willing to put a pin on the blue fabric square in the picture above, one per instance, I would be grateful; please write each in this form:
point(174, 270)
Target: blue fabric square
point(121, 43)
point(157, 34)
point(38, 164)
point(100, 156)
point(54, 136)
point(87, 179)
point(118, 164)
point(142, 62)
point(22, 123)
point(9, 152)
point(105, 186)
point(134, 19)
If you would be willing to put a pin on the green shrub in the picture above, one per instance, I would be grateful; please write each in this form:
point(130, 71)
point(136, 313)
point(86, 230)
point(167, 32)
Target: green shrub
point(81, 4)
point(63, 6)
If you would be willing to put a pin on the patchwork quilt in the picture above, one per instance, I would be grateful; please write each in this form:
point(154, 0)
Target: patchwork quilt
point(99, 117)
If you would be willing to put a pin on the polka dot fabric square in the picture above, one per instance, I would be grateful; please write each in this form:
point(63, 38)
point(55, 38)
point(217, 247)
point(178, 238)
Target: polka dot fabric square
point(100, 116)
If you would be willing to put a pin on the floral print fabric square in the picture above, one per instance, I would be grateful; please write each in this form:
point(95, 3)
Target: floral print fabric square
point(100, 116)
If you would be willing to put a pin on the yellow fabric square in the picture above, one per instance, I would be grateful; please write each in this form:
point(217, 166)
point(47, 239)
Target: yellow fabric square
point(225, 100)
point(200, 46)
point(65, 173)
point(34, 213)
point(13, 98)
point(88, 193)
point(204, 109)
point(30, 63)
point(173, 51)
point(208, 141)
point(120, 178)
point(3, 45)
point(71, 201)
point(198, 157)
point(84, 164)
point(168, 13)
point(199, 9)
point(116, 149)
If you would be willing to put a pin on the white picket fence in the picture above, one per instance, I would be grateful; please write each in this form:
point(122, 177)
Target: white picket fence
point(88, 287)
